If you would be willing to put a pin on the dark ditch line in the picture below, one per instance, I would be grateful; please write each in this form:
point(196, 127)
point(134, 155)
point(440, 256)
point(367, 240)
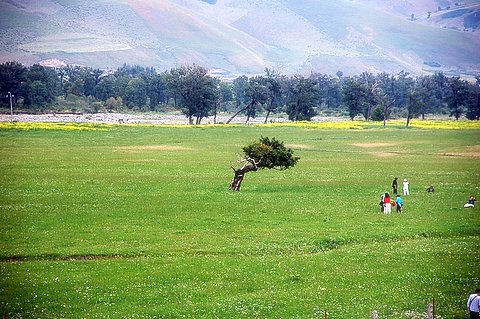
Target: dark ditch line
point(55, 257)
point(313, 247)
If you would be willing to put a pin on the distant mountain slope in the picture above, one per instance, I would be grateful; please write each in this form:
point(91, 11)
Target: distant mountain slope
point(245, 36)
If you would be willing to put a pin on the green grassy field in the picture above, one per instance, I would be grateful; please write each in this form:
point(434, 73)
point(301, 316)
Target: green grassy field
point(138, 222)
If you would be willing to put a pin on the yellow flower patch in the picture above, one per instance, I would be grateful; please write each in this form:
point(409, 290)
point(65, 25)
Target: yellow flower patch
point(53, 126)
point(319, 125)
point(445, 125)
point(341, 125)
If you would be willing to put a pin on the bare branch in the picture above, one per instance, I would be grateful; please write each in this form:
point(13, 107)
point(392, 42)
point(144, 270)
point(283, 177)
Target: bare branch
point(247, 161)
point(253, 162)
point(244, 165)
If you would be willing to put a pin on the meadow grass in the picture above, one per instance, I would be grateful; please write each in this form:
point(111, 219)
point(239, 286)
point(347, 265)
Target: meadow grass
point(108, 221)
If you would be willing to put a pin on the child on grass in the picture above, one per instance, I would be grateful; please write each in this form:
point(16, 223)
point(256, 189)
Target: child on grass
point(399, 203)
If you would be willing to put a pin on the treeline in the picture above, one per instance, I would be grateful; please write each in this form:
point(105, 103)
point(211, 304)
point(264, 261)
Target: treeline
point(198, 95)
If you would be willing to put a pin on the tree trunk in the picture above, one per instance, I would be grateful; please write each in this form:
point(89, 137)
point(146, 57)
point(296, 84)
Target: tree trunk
point(269, 111)
point(369, 113)
point(237, 180)
point(385, 109)
point(408, 119)
point(234, 115)
point(297, 111)
point(252, 103)
point(239, 174)
point(266, 117)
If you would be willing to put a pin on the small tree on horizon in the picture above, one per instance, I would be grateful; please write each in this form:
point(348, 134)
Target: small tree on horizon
point(264, 153)
point(256, 92)
point(456, 96)
point(303, 98)
point(355, 95)
point(196, 91)
point(473, 103)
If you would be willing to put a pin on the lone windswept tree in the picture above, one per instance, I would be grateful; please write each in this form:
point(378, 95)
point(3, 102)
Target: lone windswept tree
point(264, 153)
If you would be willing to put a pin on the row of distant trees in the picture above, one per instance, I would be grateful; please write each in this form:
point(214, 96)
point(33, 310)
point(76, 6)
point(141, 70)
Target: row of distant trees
point(198, 95)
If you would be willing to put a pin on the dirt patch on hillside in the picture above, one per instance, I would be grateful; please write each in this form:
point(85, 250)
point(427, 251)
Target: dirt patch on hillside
point(153, 148)
point(369, 145)
point(136, 160)
point(301, 146)
point(383, 154)
point(470, 151)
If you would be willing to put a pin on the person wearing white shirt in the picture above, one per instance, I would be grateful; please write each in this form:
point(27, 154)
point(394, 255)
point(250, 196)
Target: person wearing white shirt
point(473, 304)
point(406, 191)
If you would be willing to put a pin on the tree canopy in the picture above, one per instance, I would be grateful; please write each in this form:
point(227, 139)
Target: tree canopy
point(197, 94)
point(270, 153)
point(267, 153)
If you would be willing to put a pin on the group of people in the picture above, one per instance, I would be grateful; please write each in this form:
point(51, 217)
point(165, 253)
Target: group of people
point(406, 185)
point(386, 201)
point(473, 302)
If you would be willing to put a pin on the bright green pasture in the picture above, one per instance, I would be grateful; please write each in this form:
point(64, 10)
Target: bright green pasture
point(138, 222)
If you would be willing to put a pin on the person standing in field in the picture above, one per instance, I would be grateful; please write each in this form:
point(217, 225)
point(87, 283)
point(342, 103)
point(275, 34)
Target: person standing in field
point(395, 186)
point(382, 202)
point(473, 304)
point(399, 203)
point(387, 205)
point(406, 190)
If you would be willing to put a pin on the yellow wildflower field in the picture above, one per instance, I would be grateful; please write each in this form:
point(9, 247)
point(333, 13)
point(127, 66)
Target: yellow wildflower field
point(342, 125)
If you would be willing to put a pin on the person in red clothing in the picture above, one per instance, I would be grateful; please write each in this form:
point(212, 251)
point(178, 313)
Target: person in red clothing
point(387, 205)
